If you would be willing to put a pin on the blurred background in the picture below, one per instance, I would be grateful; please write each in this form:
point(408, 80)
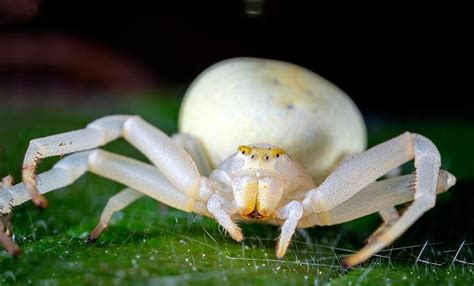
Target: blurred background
point(392, 59)
point(65, 63)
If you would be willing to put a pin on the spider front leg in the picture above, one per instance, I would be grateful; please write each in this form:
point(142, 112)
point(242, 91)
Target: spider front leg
point(220, 208)
point(291, 213)
point(170, 158)
point(196, 150)
point(355, 174)
point(94, 135)
point(143, 178)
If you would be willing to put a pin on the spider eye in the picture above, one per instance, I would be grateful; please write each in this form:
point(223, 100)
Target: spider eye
point(266, 157)
point(277, 152)
point(253, 156)
point(245, 149)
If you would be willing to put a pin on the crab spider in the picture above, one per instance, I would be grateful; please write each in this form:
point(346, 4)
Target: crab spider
point(255, 183)
point(259, 182)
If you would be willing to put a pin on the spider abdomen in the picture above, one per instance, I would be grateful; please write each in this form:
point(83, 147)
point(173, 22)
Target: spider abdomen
point(247, 100)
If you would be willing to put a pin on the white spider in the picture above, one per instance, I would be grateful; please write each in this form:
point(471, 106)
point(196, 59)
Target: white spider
point(328, 180)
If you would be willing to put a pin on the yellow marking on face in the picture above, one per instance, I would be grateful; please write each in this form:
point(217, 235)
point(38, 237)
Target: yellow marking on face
point(277, 152)
point(261, 153)
point(245, 149)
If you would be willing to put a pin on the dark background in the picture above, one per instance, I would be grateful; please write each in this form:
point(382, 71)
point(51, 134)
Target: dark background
point(396, 59)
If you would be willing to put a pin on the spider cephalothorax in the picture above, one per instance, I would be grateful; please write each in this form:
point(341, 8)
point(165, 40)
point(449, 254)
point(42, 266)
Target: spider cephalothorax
point(262, 176)
point(329, 179)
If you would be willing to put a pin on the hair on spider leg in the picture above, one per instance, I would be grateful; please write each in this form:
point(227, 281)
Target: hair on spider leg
point(38, 158)
point(411, 187)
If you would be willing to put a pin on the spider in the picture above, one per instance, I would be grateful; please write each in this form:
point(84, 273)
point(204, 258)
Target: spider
point(240, 121)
